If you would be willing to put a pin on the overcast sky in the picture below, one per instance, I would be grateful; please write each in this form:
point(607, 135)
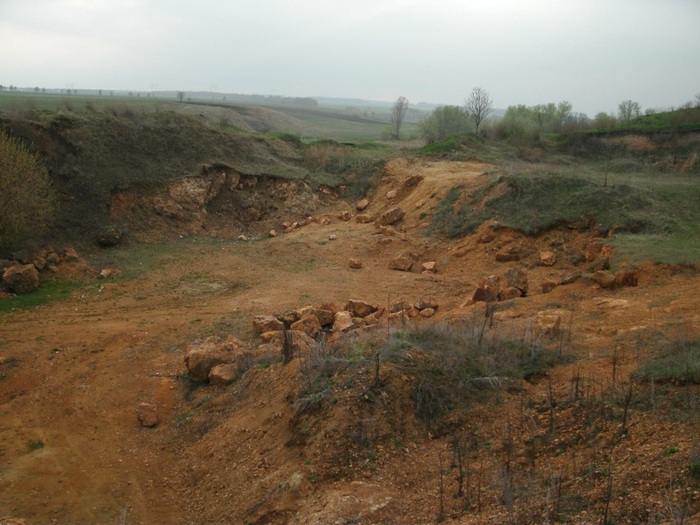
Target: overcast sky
point(593, 53)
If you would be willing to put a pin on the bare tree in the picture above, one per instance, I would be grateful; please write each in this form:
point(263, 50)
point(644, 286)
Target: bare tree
point(697, 100)
point(628, 110)
point(478, 106)
point(180, 95)
point(398, 113)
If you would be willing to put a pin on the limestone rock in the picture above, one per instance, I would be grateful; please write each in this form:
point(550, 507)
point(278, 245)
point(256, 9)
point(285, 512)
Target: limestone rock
point(359, 308)
point(224, 374)
point(547, 258)
point(487, 289)
point(427, 312)
point(424, 303)
point(147, 414)
point(517, 278)
point(266, 323)
point(343, 322)
point(599, 264)
point(402, 263)
point(355, 264)
point(509, 293)
point(299, 342)
point(429, 266)
point(604, 279)
point(361, 205)
point(570, 277)
point(548, 285)
point(70, 256)
point(508, 254)
point(549, 323)
point(391, 194)
point(344, 215)
point(309, 324)
point(391, 216)
point(364, 218)
point(202, 356)
point(21, 278)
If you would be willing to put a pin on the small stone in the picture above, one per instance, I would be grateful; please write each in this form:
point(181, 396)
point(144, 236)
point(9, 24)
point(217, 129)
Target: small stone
point(429, 266)
point(548, 286)
point(547, 258)
point(355, 264)
point(147, 414)
point(391, 194)
point(273, 233)
point(427, 312)
point(344, 216)
point(402, 263)
point(332, 237)
point(242, 238)
point(361, 205)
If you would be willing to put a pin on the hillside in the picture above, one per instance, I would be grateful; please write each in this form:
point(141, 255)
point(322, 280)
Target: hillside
point(496, 373)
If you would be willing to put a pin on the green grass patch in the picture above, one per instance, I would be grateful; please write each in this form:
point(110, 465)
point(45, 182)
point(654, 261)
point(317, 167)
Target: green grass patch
point(50, 290)
point(679, 363)
point(655, 216)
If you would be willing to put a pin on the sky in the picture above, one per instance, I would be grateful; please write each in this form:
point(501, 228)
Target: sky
point(592, 53)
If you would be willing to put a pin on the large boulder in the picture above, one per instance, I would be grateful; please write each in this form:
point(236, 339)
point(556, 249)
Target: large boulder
point(224, 374)
point(21, 278)
point(391, 216)
point(359, 308)
point(202, 356)
point(110, 237)
point(517, 278)
point(299, 342)
point(267, 323)
point(488, 288)
point(343, 322)
point(604, 279)
point(308, 324)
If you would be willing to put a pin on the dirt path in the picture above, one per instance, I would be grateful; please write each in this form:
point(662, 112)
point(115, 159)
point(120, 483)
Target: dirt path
point(73, 372)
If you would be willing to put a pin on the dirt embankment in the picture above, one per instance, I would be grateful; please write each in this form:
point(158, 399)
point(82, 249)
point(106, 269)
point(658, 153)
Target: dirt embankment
point(73, 372)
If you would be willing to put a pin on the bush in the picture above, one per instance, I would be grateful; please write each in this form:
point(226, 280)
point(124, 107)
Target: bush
point(26, 196)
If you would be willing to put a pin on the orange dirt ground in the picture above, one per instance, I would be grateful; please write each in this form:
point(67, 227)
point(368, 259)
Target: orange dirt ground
point(72, 373)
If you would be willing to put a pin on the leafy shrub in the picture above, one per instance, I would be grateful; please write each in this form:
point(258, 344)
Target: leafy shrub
point(27, 199)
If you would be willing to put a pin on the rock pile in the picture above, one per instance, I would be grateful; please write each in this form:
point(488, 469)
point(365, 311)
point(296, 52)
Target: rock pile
point(22, 273)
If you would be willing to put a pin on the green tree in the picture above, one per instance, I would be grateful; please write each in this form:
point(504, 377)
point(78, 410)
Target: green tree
point(443, 122)
point(27, 198)
point(478, 106)
point(628, 110)
point(397, 115)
